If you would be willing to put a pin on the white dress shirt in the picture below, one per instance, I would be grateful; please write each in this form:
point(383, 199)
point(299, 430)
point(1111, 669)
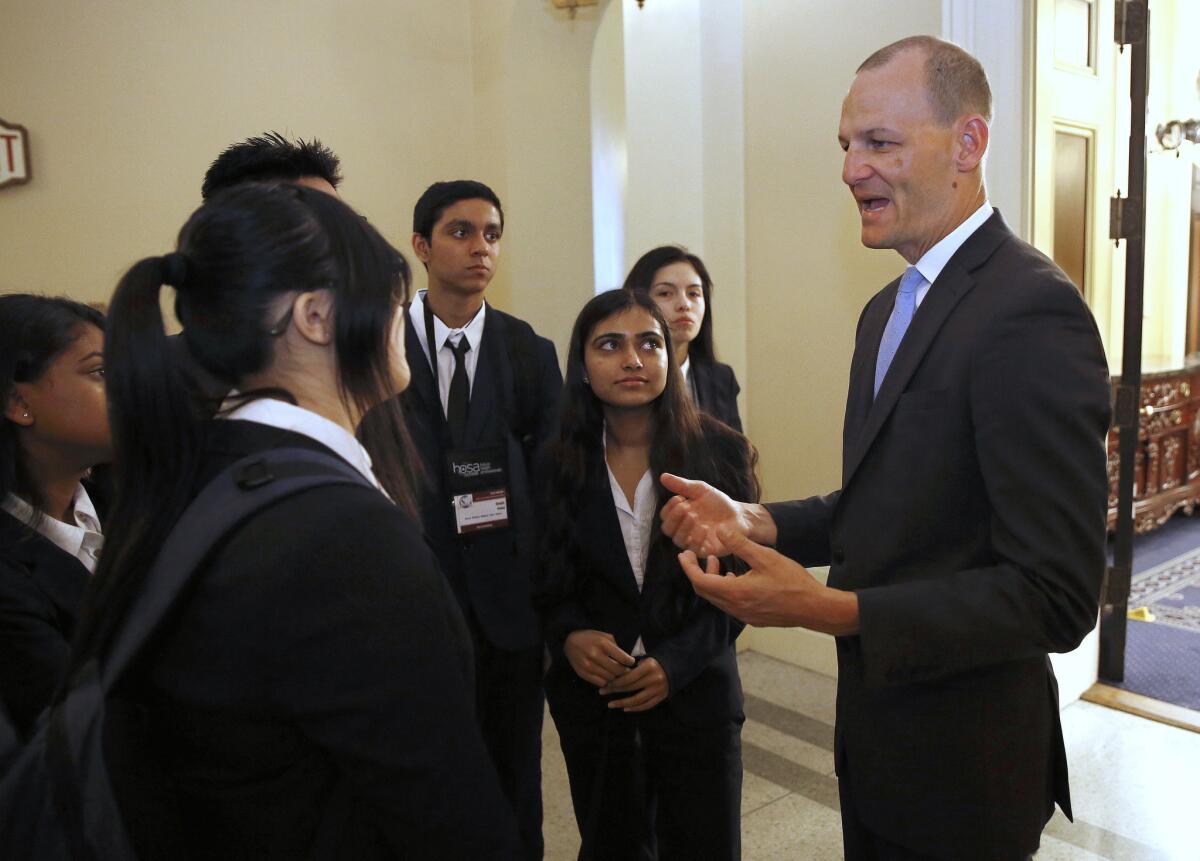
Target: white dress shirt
point(636, 525)
point(934, 260)
point(289, 417)
point(80, 538)
point(473, 332)
point(686, 370)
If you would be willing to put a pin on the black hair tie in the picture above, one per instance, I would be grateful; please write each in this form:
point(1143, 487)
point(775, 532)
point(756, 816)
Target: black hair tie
point(174, 269)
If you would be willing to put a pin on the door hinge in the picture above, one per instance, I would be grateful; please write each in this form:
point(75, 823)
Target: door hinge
point(1124, 217)
point(1131, 17)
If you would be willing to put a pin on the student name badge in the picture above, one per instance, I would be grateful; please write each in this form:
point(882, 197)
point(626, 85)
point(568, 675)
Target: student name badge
point(478, 482)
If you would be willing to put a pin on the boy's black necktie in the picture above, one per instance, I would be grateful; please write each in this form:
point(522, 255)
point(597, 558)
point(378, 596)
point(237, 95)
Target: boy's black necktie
point(460, 392)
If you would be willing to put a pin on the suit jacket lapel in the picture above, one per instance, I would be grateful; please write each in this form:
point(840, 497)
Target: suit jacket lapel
point(605, 534)
point(60, 576)
point(860, 397)
point(955, 280)
point(703, 382)
point(485, 389)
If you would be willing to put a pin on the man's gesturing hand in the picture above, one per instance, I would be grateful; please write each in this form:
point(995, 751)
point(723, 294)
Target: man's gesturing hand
point(776, 592)
point(595, 656)
point(692, 517)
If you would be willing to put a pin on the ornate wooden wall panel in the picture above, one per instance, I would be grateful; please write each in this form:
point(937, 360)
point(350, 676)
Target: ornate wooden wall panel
point(1167, 472)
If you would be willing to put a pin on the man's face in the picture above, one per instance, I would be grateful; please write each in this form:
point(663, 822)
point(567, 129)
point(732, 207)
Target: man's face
point(899, 160)
point(463, 247)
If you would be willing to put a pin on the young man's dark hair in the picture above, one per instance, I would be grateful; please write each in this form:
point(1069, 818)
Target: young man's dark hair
point(271, 157)
point(440, 195)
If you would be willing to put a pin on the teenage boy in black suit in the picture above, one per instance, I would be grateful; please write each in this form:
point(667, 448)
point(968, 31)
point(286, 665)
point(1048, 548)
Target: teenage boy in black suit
point(476, 414)
point(967, 539)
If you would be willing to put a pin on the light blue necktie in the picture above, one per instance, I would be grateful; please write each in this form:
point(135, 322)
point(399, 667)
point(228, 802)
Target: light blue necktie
point(897, 324)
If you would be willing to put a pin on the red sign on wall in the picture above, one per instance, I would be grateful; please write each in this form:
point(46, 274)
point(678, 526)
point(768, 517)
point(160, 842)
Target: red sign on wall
point(14, 155)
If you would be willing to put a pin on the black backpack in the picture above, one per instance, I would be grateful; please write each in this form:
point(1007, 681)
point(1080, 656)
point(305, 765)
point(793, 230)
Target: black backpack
point(56, 799)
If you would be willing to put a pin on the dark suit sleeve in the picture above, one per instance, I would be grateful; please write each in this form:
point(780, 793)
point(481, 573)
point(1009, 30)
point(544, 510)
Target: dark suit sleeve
point(803, 528)
point(705, 635)
point(1039, 402)
point(33, 650)
point(550, 384)
point(377, 671)
point(561, 618)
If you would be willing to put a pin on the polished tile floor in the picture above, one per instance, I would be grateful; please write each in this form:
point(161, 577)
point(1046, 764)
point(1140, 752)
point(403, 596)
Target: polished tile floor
point(1135, 783)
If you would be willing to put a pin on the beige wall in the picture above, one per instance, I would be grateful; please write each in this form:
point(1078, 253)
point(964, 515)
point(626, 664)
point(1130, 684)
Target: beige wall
point(547, 132)
point(128, 102)
point(807, 275)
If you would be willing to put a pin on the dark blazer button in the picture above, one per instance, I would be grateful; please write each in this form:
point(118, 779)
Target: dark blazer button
point(838, 556)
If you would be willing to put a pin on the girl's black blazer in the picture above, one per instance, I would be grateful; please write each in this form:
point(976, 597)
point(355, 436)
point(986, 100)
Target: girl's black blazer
point(41, 591)
point(313, 697)
point(716, 391)
point(695, 646)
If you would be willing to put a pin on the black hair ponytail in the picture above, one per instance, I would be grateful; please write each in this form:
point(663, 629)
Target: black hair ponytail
point(156, 434)
point(236, 257)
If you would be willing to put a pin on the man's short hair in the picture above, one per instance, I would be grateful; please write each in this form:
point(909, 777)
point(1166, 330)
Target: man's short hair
point(271, 157)
point(956, 81)
point(440, 195)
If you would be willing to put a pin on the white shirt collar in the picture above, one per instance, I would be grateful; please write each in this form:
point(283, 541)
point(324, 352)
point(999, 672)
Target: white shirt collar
point(81, 538)
point(473, 331)
point(289, 417)
point(686, 366)
point(934, 260)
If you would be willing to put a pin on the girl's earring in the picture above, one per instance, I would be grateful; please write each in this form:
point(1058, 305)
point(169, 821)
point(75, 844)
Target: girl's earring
point(586, 382)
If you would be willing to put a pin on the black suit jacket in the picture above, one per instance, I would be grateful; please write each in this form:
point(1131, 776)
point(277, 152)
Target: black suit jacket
point(971, 524)
point(490, 571)
point(41, 591)
point(313, 697)
point(696, 652)
point(716, 391)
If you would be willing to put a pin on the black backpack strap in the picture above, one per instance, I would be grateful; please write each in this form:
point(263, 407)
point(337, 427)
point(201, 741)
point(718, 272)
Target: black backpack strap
point(73, 747)
point(243, 489)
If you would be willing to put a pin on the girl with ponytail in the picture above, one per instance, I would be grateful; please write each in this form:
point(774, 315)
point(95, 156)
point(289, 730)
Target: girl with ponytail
point(643, 683)
point(313, 693)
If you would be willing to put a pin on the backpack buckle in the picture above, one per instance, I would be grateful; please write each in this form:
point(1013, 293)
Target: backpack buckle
point(254, 474)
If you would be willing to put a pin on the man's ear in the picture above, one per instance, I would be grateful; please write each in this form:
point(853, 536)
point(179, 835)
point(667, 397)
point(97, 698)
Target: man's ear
point(17, 410)
point(971, 143)
point(312, 315)
point(421, 248)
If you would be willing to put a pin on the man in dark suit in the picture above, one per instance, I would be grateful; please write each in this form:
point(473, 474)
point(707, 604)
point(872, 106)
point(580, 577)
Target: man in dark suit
point(967, 539)
point(483, 396)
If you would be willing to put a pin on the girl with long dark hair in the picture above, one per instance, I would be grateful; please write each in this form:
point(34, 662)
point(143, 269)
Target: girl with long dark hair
point(54, 429)
point(312, 695)
point(643, 683)
point(679, 284)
